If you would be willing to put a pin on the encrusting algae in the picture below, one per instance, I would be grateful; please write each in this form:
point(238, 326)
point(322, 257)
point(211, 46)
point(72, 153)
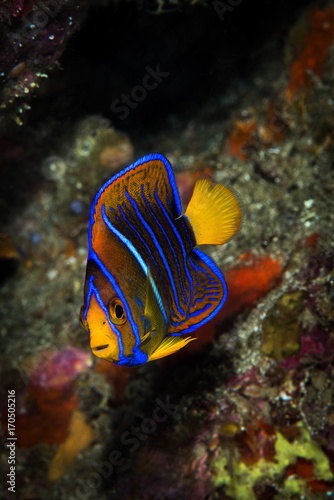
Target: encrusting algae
point(240, 478)
point(281, 330)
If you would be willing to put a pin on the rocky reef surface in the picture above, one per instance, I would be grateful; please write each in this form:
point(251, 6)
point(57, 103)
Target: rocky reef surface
point(246, 412)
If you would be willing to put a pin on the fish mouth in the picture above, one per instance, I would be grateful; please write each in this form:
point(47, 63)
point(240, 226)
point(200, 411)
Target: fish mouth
point(104, 351)
point(104, 347)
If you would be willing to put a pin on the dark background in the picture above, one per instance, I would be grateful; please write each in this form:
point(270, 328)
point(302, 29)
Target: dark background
point(203, 55)
point(107, 57)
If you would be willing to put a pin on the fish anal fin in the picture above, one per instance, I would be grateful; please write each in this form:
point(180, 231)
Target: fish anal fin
point(168, 346)
point(213, 212)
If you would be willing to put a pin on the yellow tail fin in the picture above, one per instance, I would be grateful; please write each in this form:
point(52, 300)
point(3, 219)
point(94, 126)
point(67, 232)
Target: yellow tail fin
point(213, 212)
point(168, 346)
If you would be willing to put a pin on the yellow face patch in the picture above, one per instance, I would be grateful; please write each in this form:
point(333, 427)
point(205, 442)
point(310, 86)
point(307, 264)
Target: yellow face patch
point(103, 341)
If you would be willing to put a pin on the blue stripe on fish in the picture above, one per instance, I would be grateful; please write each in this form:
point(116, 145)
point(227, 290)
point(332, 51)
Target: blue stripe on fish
point(89, 294)
point(138, 235)
point(93, 290)
point(137, 256)
point(158, 297)
point(157, 245)
point(220, 276)
point(176, 233)
point(141, 161)
point(171, 247)
point(138, 302)
point(126, 242)
point(119, 292)
point(124, 228)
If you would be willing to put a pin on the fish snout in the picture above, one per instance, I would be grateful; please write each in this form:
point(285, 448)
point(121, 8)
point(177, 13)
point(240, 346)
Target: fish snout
point(104, 347)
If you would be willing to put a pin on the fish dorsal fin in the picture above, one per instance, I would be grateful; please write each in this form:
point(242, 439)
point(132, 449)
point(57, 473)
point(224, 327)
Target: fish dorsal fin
point(138, 183)
point(154, 314)
point(168, 346)
point(213, 213)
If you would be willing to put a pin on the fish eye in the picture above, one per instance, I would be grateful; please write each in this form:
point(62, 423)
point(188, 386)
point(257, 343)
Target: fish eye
point(119, 311)
point(116, 312)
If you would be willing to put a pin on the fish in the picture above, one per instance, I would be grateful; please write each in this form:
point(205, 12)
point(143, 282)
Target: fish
point(147, 283)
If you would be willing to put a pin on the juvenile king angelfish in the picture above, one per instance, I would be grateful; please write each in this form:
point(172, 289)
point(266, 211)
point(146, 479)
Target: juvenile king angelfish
point(146, 283)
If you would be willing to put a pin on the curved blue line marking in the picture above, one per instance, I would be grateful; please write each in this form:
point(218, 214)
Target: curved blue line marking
point(181, 245)
point(139, 302)
point(89, 294)
point(137, 255)
point(209, 262)
point(93, 290)
point(119, 292)
point(158, 297)
point(171, 247)
point(155, 288)
point(126, 224)
point(124, 240)
point(157, 244)
point(137, 234)
point(141, 161)
point(125, 228)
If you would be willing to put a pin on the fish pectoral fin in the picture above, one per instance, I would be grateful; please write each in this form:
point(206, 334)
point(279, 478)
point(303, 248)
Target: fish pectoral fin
point(168, 346)
point(145, 336)
point(213, 212)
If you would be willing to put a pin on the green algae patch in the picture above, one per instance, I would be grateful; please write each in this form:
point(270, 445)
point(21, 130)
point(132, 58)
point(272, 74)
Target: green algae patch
point(280, 330)
point(239, 479)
